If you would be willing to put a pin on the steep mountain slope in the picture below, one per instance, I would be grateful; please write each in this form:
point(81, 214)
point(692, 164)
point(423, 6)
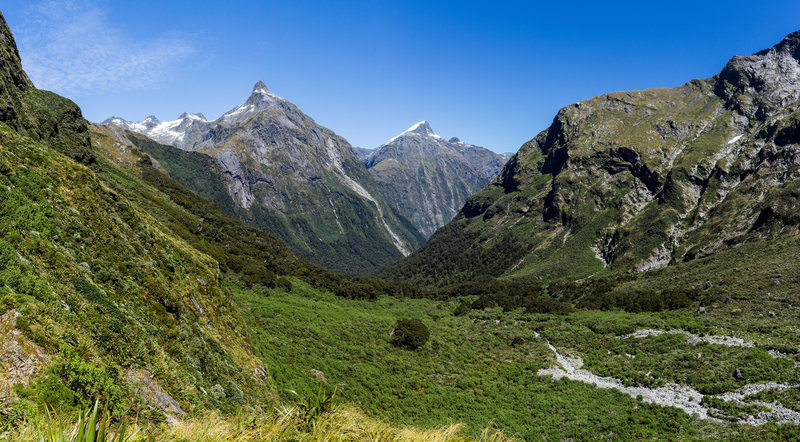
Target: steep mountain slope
point(41, 115)
point(290, 176)
point(117, 282)
point(637, 180)
point(427, 178)
point(98, 297)
point(362, 154)
point(257, 256)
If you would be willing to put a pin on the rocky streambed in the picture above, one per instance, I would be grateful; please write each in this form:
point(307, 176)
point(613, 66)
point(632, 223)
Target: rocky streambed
point(680, 396)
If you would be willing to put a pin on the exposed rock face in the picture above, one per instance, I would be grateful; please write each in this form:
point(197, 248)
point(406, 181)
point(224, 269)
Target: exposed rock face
point(362, 154)
point(290, 176)
point(41, 115)
point(638, 180)
point(15, 82)
point(427, 178)
point(155, 396)
point(21, 358)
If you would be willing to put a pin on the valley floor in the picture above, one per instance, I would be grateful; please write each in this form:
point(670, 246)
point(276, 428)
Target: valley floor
point(519, 372)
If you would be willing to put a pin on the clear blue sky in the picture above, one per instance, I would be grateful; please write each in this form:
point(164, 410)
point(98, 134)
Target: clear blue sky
point(491, 73)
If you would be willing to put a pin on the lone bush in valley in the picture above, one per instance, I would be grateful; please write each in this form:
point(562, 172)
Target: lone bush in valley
point(410, 334)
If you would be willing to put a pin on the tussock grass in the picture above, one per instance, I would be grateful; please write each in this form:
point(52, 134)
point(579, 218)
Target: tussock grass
point(344, 423)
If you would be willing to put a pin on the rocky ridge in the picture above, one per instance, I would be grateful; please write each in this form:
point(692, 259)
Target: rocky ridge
point(292, 177)
point(638, 180)
point(427, 178)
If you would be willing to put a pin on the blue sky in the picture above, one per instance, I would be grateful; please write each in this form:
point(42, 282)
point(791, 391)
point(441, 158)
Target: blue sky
point(491, 73)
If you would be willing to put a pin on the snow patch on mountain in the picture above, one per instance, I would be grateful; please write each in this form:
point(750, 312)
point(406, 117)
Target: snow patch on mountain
point(422, 128)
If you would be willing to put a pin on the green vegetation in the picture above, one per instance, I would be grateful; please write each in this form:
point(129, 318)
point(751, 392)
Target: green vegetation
point(619, 183)
point(321, 218)
point(192, 170)
point(481, 367)
point(410, 334)
point(473, 369)
point(92, 426)
point(103, 288)
point(256, 255)
point(339, 423)
point(730, 410)
point(118, 284)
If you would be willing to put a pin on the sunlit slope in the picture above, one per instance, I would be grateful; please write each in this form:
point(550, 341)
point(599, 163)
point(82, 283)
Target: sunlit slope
point(636, 181)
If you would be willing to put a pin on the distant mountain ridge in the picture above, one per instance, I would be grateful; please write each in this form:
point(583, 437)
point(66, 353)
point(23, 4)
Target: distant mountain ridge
point(290, 176)
point(631, 181)
point(426, 178)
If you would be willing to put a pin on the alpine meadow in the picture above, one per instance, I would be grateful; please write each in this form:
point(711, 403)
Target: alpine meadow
point(631, 272)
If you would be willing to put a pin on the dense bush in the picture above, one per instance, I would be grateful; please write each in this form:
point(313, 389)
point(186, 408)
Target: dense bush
point(451, 255)
point(410, 334)
point(258, 274)
point(72, 382)
point(565, 297)
point(284, 284)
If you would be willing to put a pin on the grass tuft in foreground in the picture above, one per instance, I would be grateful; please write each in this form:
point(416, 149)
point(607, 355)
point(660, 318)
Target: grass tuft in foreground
point(339, 424)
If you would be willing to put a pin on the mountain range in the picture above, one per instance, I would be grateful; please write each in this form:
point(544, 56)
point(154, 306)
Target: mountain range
point(286, 174)
point(631, 273)
point(426, 178)
point(633, 181)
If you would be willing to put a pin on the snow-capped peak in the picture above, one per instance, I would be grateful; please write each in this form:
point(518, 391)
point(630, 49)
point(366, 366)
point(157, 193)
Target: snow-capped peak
point(151, 121)
point(421, 128)
point(261, 93)
point(198, 116)
point(175, 132)
point(260, 99)
point(114, 120)
point(261, 88)
point(167, 132)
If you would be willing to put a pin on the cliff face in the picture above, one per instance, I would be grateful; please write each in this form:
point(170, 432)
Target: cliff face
point(13, 80)
point(637, 180)
point(426, 178)
point(41, 115)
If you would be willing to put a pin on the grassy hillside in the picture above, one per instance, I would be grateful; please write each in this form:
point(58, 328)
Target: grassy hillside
point(116, 282)
point(480, 366)
point(273, 167)
point(237, 247)
point(104, 291)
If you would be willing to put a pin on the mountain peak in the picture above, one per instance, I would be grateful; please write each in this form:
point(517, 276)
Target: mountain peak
point(197, 116)
point(261, 88)
point(422, 128)
point(760, 84)
point(113, 120)
point(790, 43)
point(262, 94)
